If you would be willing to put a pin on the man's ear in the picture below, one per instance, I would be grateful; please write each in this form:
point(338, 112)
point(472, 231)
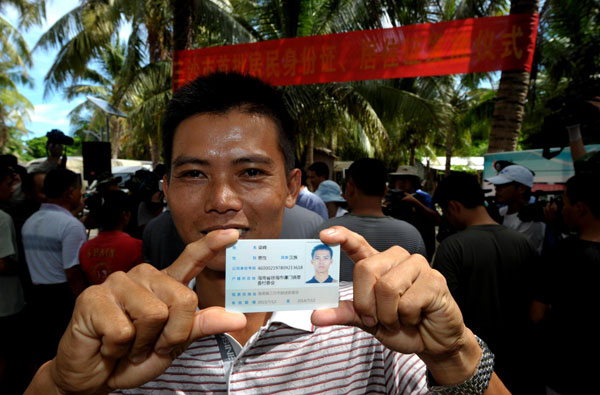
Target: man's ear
point(454, 207)
point(165, 186)
point(350, 187)
point(293, 186)
point(581, 209)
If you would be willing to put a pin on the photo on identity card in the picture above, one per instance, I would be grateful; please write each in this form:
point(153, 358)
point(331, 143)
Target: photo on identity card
point(275, 275)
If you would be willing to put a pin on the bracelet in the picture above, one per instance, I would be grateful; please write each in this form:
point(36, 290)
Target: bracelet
point(476, 384)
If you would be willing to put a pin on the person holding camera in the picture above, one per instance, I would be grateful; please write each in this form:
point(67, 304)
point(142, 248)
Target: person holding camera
point(513, 190)
point(56, 158)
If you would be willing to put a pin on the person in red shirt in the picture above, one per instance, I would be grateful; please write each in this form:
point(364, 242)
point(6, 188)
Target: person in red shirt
point(112, 250)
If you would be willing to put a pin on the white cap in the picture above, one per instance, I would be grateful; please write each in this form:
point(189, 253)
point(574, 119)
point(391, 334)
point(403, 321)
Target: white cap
point(513, 173)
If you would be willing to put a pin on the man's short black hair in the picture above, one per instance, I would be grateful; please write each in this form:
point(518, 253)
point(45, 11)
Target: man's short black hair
point(6, 171)
point(113, 205)
point(323, 247)
point(58, 181)
point(369, 175)
point(585, 188)
point(320, 168)
point(219, 93)
point(460, 187)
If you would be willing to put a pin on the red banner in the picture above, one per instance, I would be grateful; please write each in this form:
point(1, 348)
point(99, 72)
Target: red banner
point(463, 46)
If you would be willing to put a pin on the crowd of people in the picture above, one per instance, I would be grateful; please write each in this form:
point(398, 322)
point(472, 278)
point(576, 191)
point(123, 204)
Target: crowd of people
point(229, 163)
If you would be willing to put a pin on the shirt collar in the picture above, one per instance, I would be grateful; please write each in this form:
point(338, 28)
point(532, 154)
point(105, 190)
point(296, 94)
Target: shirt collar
point(299, 319)
point(54, 207)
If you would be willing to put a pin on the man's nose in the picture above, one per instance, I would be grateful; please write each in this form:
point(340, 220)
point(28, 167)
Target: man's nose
point(222, 197)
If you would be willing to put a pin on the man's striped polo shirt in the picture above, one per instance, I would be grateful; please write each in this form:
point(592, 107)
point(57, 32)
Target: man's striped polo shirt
point(291, 355)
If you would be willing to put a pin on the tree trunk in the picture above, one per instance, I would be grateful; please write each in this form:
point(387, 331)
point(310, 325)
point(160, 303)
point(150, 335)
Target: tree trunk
point(115, 137)
point(449, 148)
point(510, 99)
point(310, 148)
point(183, 22)
point(154, 149)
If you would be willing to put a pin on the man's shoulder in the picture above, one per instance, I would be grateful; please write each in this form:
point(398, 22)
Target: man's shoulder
point(5, 217)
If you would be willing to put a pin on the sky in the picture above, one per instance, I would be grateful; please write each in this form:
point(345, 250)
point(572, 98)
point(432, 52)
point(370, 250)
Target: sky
point(50, 112)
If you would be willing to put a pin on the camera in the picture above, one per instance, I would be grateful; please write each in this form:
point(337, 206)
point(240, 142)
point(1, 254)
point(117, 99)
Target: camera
point(534, 212)
point(395, 207)
point(55, 136)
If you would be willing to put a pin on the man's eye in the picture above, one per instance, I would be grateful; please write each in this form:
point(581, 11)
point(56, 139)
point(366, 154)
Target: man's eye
point(192, 174)
point(253, 172)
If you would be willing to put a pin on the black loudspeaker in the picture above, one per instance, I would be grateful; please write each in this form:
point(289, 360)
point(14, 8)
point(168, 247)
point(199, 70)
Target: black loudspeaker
point(96, 159)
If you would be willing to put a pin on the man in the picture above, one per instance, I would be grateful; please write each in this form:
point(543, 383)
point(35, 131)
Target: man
point(161, 245)
point(12, 302)
point(566, 288)
point(513, 189)
point(331, 193)
point(487, 268)
point(365, 188)
point(51, 239)
point(316, 173)
point(321, 260)
point(229, 150)
point(54, 150)
point(310, 201)
point(408, 202)
point(112, 250)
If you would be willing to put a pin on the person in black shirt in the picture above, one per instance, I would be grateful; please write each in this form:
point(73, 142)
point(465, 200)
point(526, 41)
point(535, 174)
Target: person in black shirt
point(486, 267)
point(567, 290)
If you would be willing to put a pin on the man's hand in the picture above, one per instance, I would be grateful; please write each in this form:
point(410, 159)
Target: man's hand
point(129, 329)
point(406, 305)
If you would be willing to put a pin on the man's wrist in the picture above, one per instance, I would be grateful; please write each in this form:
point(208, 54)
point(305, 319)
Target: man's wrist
point(43, 382)
point(457, 366)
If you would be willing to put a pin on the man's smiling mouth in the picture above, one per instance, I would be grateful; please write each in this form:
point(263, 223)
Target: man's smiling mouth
point(242, 229)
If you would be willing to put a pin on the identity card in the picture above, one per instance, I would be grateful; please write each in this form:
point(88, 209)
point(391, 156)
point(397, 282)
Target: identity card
point(276, 275)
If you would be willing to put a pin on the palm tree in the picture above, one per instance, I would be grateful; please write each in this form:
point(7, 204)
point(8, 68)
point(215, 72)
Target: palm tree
point(105, 81)
point(511, 97)
point(15, 59)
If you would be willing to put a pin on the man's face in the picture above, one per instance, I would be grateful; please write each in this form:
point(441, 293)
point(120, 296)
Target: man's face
point(6, 188)
point(313, 180)
point(55, 150)
point(507, 193)
point(321, 261)
point(404, 184)
point(228, 171)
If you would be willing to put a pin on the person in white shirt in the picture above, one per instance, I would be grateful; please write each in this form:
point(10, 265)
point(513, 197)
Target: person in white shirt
point(513, 190)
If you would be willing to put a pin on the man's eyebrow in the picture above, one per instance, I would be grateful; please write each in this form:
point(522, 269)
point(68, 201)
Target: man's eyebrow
point(188, 160)
point(258, 159)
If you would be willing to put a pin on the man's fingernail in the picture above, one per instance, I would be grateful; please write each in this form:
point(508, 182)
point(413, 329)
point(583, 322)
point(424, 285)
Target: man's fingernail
point(164, 350)
point(368, 320)
point(137, 358)
point(331, 231)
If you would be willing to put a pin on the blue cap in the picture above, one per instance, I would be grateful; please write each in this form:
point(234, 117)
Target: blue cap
point(329, 191)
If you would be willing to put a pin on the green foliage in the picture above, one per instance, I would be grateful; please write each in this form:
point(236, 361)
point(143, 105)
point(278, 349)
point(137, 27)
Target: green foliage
point(15, 59)
point(566, 74)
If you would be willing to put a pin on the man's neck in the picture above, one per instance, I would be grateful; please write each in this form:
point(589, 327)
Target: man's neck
point(254, 321)
point(368, 206)
point(60, 203)
point(514, 206)
point(478, 216)
point(320, 277)
point(590, 230)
